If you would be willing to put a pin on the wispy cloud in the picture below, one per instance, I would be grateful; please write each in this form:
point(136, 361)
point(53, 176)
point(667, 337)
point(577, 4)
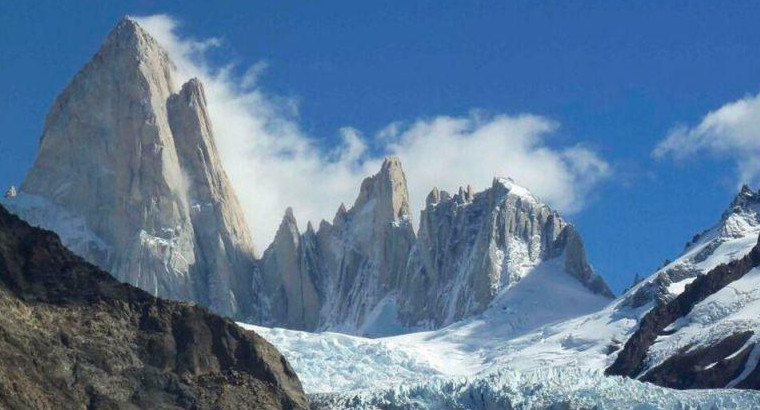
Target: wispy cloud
point(273, 164)
point(732, 132)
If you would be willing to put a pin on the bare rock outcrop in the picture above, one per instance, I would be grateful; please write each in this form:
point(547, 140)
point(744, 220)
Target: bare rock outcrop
point(338, 277)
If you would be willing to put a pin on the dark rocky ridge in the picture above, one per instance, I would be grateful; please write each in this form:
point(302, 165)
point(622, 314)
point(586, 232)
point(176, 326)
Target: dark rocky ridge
point(690, 370)
point(71, 336)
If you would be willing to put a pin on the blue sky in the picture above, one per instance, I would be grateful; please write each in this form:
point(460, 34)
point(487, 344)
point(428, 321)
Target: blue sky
point(613, 78)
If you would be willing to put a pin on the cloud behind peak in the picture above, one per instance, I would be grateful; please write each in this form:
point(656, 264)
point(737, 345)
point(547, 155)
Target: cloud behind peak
point(273, 164)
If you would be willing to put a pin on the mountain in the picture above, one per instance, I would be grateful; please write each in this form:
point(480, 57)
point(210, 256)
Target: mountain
point(346, 273)
point(364, 253)
point(700, 307)
point(691, 324)
point(128, 173)
point(289, 273)
point(705, 334)
point(368, 273)
point(474, 247)
point(129, 176)
point(71, 336)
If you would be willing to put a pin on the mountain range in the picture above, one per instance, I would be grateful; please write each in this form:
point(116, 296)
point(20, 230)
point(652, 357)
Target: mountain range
point(487, 286)
point(149, 201)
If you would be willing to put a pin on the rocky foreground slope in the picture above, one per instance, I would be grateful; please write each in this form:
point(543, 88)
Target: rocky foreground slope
point(73, 337)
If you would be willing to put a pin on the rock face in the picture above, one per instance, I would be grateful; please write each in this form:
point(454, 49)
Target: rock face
point(73, 337)
point(338, 277)
point(365, 251)
point(289, 273)
point(368, 273)
point(472, 247)
point(136, 159)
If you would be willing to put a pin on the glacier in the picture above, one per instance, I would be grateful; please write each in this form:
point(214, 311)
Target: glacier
point(541, 389)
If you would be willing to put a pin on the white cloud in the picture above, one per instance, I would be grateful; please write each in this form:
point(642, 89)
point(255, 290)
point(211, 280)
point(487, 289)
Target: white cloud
point(448, 152)
point(732, 131)
point(273, 164)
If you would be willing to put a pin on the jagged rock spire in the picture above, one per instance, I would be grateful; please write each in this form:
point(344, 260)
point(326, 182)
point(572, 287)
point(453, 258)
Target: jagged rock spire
point(485, 243)
point(433, 197)
point(745, 199)
point(364, 251)
point(388, 188)
point(289, 270)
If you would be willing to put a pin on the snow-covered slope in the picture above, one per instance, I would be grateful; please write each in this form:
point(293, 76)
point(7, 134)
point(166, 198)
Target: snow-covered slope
point(732, 311)
point(594, 341)
point(331, 362)
point(701, 329)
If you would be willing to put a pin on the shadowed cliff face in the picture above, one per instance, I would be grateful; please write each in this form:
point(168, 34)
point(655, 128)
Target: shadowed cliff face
point(73, 337)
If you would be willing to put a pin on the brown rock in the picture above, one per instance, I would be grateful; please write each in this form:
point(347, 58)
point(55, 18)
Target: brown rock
point(73, 337)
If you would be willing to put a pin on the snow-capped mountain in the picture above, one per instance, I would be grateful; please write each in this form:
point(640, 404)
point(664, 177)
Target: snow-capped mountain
point(702, 331)
point(692, 324)
point(700, 306)
point(473, 247)
point(129, 175)
point(367, 273)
